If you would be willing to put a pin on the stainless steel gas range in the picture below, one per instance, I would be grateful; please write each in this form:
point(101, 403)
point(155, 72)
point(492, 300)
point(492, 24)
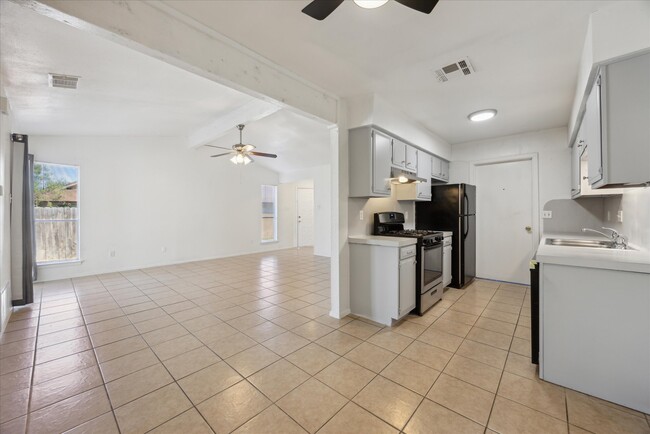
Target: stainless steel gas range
point(429, 261)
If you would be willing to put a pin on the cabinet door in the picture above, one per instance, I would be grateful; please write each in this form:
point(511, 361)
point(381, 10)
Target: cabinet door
point(381, 161)
point(592, 134)
point(444, 170)
point(399, 153)
point(446, 266)
point(576, 153)
point(424, 171)
point(411, 158)
point(436, 167)
point(406, 286)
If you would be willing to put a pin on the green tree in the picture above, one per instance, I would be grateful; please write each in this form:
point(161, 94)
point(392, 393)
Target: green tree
point(46, 187)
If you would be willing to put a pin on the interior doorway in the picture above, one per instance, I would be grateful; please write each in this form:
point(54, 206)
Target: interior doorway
point(305, 208)
point(507, 230)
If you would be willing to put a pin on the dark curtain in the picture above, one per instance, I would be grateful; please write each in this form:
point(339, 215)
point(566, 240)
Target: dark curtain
point(28, 238)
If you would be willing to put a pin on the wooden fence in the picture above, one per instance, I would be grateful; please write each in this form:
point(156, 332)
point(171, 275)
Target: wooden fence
point(56, 231)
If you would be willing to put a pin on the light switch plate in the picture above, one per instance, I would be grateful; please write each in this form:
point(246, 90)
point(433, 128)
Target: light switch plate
point(619, 216)
point(361, 215)
point(406, 215)
point(547, 214)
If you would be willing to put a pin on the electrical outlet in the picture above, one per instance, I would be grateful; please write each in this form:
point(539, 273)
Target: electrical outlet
point(547, 214)
point(609, 217)
point(361, 215)
point(111, 253)
point(164, 250)
point(406, 215)
point(619, 216)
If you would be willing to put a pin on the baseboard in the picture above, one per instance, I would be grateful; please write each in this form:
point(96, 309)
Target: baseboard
point(167, 264)
point(342, 314)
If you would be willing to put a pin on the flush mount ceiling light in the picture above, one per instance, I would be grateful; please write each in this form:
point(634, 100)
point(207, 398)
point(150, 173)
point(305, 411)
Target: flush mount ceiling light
point(482, 115)
point(370, 4)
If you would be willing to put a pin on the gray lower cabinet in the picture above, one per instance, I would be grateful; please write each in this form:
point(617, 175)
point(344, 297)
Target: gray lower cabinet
point(382, 281)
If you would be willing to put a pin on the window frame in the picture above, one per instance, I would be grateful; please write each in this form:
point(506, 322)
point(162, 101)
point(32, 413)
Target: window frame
point(275, 213)
point(78, 259)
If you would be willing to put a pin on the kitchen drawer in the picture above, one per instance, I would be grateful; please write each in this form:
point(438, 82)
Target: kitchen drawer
point(407, 252)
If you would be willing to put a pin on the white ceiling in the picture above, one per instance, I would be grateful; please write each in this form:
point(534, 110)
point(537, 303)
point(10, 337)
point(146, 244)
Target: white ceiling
point(122, 92)
point(525, 53)
point(298, 141)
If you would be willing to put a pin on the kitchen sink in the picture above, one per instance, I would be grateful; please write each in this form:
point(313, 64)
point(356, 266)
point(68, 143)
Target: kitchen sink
point(580, 243)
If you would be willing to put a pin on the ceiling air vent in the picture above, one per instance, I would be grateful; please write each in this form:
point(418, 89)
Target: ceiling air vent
point(454, 70)
point(64, 81)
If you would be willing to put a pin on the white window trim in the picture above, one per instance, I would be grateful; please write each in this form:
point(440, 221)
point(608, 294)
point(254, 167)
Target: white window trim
point(275, 216)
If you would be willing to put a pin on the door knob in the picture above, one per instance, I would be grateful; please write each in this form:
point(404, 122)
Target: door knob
point(529, 229)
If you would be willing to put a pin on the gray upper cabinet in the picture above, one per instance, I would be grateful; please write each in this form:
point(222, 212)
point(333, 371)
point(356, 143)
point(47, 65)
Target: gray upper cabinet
point(399, 154)
point(576, 154)
point(404, 156)
point(411, 158)
point(616, 119)
point(439, 169)
point(444, 170)
point(370, 162)
point(423, 189)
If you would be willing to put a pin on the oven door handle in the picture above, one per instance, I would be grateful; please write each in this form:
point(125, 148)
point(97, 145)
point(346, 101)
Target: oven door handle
point(432, 246)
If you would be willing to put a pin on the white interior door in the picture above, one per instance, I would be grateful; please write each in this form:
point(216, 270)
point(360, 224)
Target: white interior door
point(505, 225)
point(305, 217)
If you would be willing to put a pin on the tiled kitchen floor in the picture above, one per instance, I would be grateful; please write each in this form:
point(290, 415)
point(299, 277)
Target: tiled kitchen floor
point(245, 344)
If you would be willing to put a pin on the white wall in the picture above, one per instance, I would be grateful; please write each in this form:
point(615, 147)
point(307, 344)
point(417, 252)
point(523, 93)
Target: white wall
point(635, 204)
point(5, 238)
point(554, 159)
point(140, 194)
point(320, 179)
point(371, 109)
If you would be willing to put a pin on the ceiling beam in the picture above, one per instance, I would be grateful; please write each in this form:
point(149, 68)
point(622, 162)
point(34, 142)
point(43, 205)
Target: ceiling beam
point(249, 112)
point(158, 30)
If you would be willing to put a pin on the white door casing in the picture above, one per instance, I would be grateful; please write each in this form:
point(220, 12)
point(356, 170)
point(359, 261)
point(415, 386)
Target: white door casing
point(305, 217)
point(507, 222)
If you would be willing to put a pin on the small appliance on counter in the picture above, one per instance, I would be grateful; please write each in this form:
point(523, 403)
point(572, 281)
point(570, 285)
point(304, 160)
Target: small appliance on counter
point(429, 262)
point(453, 208)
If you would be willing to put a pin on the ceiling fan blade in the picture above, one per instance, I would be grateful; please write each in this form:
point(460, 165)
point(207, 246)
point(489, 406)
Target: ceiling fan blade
point(424, 6)
point(221, 155)
point(219, 147)
point(263, 154)
point(320, 9)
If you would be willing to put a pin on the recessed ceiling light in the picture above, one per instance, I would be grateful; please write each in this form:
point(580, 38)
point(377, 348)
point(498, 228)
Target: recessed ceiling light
point(482, 115)
point(370, 4)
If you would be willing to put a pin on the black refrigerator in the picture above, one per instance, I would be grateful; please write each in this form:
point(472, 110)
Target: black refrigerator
point(453, 208)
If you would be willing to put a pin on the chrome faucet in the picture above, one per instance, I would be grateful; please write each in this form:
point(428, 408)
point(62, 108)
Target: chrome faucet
point(620, 241)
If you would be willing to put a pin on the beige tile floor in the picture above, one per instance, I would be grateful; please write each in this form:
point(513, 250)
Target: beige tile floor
point(245, 344)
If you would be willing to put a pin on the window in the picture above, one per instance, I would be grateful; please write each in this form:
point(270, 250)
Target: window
point(56, 212)
point(269, 213)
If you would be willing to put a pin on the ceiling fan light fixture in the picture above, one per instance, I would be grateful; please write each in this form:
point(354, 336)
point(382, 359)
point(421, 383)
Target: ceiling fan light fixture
point(370, 4)
point(247, 159)
point(482, 115)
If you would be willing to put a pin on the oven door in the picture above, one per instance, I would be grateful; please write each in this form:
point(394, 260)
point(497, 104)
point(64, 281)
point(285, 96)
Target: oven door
point(431, 266)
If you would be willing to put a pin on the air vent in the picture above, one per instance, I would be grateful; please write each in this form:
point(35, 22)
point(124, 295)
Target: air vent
point(454, 70)
point(64, 81)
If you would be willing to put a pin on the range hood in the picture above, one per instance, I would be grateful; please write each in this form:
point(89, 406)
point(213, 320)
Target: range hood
point(401, 176)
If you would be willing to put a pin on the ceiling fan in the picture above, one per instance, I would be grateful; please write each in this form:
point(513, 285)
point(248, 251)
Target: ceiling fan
point(242, 153)
point(320, 9)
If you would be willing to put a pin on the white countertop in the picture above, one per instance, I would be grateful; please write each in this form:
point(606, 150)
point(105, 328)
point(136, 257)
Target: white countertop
point(378, 240)
point(636, 260)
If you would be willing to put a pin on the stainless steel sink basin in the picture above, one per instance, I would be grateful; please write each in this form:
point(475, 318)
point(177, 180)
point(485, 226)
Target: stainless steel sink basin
point(580, 243)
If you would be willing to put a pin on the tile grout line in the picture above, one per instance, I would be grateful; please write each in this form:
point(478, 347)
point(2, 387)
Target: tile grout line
point(96, 361)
